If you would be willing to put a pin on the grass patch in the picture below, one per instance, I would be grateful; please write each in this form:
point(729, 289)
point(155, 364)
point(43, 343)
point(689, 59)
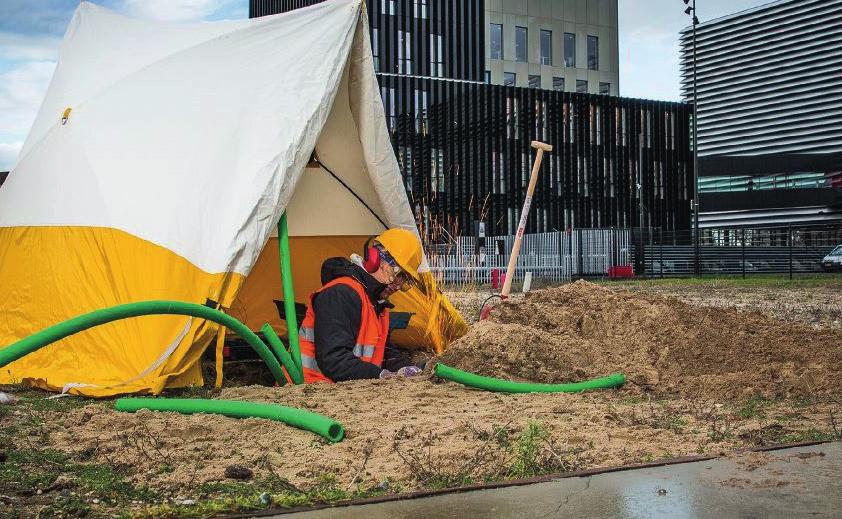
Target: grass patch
point(227, 497)
point(37, 400)
point(528, 460)
point(754, 408)
point(810, 435)
point(72, 506)
point(501, 454)
point(30, 470)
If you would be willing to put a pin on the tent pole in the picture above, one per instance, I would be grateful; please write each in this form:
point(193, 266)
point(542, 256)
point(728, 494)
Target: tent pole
point(289, 297)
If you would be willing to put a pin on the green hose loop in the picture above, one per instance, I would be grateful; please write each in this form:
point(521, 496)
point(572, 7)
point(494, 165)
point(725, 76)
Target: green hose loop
point(328, 428)
point(508, 386)
point(80, 323)
point(278, 347)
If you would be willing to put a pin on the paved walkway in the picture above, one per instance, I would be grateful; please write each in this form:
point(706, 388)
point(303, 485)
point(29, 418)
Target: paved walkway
point(798, 482)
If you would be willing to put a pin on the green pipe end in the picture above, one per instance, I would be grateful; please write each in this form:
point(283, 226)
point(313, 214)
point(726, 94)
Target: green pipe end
point(335, 433)
point(325, 427)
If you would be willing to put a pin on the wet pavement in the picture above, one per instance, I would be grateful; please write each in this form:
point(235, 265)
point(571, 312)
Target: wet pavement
point(797, 482)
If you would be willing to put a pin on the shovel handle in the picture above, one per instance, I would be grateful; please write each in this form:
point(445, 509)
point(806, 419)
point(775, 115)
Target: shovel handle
point(527, 202)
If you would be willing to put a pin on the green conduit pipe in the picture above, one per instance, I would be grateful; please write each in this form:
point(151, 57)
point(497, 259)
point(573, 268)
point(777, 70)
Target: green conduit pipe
point(80, 323)
point(289, 297)
point(507, 386)
point(278, 347)
point(326, 427)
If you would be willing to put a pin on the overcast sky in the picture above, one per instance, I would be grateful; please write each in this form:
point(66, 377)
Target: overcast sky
point(31, 30)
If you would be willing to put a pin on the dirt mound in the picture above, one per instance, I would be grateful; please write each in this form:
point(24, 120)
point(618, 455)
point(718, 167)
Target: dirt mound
point(583, 330)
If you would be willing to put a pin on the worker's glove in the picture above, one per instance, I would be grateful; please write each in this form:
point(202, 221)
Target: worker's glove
point(406, 371)
point(409, 371)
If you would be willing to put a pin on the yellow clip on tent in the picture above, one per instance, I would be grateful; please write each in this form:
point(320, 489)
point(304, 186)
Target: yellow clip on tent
point(158, 167)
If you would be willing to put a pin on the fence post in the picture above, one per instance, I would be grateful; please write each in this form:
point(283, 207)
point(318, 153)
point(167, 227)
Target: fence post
point(790, 250)
point(580, 259)
point(743, 240)
point(661, 240)
point(570, 256)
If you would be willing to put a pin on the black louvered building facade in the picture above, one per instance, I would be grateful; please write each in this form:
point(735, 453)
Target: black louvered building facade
point(464, 150)
point(464, 146)
point(428, 38)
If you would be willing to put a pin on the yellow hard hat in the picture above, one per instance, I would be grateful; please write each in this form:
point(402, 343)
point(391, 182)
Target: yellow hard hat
point(403, 246)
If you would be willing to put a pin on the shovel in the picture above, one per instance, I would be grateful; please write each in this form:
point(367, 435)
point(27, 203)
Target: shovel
point(524, 213)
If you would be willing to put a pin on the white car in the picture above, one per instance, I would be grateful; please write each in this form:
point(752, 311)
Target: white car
point(833, 261)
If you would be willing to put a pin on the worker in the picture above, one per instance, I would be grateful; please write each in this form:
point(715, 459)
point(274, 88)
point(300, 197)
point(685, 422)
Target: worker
point(344, 335)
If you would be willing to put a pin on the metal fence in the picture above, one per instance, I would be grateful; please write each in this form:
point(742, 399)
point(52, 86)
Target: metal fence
point(735, 251)
point(552, 257)
point(557, 257)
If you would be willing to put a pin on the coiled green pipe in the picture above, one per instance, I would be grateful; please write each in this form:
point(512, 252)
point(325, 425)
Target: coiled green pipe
point(508, 386)
point(64, 329)
point(278, 347)
point(326, 427)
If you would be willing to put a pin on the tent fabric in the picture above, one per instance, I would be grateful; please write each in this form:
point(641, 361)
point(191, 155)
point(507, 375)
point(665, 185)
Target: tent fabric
point(183, 145)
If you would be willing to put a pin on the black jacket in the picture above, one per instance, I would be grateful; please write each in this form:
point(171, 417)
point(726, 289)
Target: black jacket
point(338, 310)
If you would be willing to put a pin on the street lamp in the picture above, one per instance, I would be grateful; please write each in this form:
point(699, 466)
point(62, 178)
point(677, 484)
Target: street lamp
point(692, 9)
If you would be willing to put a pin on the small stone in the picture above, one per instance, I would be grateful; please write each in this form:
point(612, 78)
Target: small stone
point(95, 501)
point(188, 502)
point(265, 498)
point(39, 492)
point(238, 472)
point(662, 491)
point(60, 483)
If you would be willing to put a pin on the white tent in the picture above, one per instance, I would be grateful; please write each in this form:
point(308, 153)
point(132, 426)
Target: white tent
point(158, 166)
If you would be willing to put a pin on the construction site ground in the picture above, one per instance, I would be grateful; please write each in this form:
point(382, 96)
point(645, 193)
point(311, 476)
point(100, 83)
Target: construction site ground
point(715, 367)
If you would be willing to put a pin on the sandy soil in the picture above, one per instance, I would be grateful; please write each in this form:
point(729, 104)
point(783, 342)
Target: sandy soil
point(701, 380)
point(409, 429)
point(664, 346)
point(818, 306)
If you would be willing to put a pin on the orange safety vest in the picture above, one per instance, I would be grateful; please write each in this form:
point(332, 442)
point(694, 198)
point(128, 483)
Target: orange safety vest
point(371, 339)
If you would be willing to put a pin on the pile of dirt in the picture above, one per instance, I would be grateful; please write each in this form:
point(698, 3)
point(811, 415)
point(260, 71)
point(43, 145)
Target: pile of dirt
point(663, 345)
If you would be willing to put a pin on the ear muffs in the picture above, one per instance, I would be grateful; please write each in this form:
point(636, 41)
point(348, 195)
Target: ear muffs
point(371, 257)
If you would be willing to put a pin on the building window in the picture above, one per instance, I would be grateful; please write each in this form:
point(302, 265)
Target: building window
point(593, 52)
point(375, 48)
point(546, 47)
point(582, 86)
point(421, 112)
point(436, 56)
point(389, 101)
point(437, 180)
point(534, 81)
point(496, 41)
point(509, 78)
point(604, 88)
point(405, 52)
point(558, 83)
point(420, 8)
point(387, 6)
point(569, 49)
point(488, 76)
point(521, 45)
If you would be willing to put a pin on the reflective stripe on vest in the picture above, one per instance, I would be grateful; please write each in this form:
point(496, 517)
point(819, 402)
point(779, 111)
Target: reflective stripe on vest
point(371, 338)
